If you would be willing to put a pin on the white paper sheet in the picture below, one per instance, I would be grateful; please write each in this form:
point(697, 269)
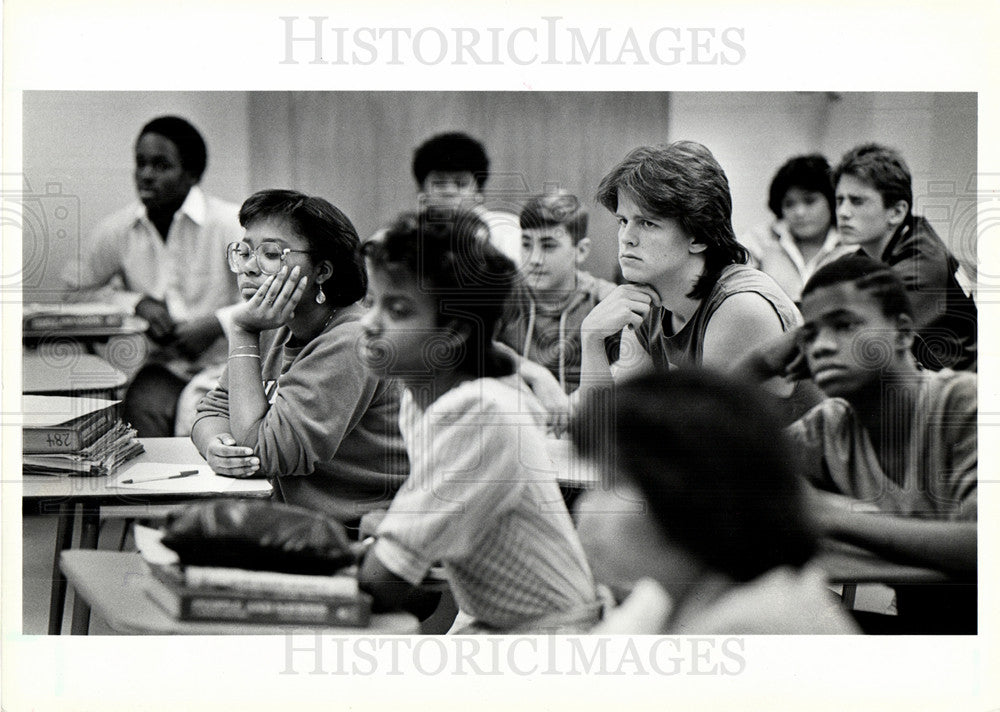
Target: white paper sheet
point(205, 481)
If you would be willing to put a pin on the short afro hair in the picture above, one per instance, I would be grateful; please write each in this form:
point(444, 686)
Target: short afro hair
point(190, 145)
point(452, 152)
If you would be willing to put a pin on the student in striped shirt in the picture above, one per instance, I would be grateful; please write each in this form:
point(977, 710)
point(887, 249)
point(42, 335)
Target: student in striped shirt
point(481, 497)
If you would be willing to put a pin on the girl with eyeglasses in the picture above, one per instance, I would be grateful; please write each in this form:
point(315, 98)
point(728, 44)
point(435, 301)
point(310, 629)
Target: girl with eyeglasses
point(295, 403)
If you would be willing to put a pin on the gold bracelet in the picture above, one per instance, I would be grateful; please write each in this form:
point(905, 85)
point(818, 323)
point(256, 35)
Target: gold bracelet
point(256, 356)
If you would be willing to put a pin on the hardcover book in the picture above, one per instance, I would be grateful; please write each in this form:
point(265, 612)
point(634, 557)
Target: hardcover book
point(53, 426)
point(268, 600)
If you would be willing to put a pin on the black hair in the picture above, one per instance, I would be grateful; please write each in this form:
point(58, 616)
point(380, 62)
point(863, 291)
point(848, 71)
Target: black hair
point(711, 462)
point(554, 209)
point(881, 167)
point(867, 274)
point(810, 172)
point(452, 152)
point(329, 233)
point(684, 182)
point(190, 145)
point(451, 259)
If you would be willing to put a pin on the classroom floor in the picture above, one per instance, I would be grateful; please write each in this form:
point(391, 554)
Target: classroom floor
point(39, 541)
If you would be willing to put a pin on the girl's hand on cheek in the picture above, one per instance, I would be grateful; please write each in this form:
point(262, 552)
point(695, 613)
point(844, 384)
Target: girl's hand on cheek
point(274, 302)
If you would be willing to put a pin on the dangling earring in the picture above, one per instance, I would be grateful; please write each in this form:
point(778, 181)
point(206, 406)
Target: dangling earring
point(320, 297)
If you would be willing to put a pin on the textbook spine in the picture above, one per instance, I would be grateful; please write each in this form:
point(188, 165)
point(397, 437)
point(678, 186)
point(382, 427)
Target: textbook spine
point(62, 322)
point(219, 607)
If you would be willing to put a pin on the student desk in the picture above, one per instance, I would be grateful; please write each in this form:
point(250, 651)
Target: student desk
point(852, 565)
point(113, 583)
point(61, 495)
point(123, 347)
point(72, 374)
point(130, 325)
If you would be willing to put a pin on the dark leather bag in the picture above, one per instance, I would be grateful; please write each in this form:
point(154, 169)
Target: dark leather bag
point(258, 535)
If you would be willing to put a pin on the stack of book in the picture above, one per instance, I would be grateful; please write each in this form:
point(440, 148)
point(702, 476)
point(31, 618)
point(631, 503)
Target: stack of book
point(65, 435)
point(218, 594)
point(77, 317)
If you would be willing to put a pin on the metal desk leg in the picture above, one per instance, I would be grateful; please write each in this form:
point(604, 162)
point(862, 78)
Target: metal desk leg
point(64, 540)
point(89, 531)
point(850, 593)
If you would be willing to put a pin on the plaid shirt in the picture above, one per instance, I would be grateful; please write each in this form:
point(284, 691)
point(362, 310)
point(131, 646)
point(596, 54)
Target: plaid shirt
point(483, 500)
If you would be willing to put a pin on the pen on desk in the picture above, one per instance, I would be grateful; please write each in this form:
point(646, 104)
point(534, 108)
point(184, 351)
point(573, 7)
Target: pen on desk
point(157, 478)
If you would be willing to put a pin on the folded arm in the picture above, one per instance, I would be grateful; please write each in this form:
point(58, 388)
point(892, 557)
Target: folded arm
point(948, 546)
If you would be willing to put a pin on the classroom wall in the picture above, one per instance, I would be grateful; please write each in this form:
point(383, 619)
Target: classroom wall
point(355, 148)
point(753, 133)
point(78, 155)
point(936, 133)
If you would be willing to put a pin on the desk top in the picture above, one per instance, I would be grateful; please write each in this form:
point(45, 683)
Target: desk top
point(99, 490)
point(74, 373)
point(571, 469)
point(114, 583)
point(845, 563)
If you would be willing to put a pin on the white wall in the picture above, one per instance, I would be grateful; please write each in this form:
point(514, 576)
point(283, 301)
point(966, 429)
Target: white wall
point(752, 134)
point(80, 144)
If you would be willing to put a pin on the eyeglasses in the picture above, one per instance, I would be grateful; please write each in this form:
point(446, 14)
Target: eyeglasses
point(270, 257)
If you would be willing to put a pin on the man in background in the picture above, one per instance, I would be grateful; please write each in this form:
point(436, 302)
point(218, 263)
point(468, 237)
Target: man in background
point(164, 259)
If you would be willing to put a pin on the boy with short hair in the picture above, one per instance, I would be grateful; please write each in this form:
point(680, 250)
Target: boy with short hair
point(874, 197)
point(451, 170)
point(889, 434)
point(555, 295)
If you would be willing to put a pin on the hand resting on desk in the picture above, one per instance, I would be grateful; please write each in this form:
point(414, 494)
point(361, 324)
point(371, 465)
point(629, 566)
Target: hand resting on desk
point(228, 459)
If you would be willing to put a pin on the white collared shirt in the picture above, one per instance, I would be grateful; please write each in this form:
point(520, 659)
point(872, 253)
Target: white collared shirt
point(125, 258)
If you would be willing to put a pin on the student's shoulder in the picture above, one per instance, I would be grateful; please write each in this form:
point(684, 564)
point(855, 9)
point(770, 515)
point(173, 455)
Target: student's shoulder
point(781, 601)
point(119, 221)
point(959, 389)
point(478, 395)
point(746, 292)
point(342, 334)
point(827, 415)
point(746, 313)
point(489, 399)
point(921, 242)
